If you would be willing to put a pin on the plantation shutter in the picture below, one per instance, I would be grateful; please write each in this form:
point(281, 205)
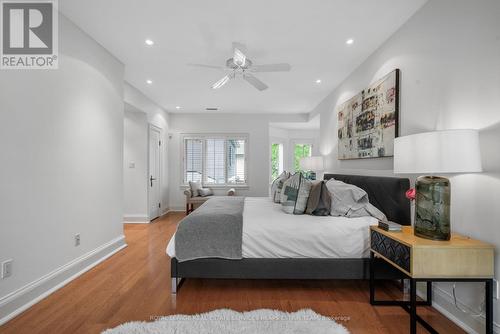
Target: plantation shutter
point(193, 169)
point(215, 161)
point(236, 161)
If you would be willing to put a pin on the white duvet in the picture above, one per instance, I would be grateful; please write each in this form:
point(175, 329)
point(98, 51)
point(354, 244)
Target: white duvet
point(268, 232)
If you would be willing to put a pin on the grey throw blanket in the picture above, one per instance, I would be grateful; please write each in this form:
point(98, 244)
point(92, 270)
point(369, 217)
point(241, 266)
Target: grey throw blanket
point(351, 201)
point(215, 229)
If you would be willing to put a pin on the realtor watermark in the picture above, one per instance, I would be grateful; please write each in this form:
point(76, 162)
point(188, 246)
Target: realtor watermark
point(29, 34)
point(340, 318)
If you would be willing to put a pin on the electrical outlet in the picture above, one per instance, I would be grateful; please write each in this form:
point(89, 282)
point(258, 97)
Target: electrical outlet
point(77, 239)
point(7, 268)
point(496, 293)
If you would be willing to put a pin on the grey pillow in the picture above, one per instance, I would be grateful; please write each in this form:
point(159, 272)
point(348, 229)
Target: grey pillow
point(295, 193)
point(320, 201)
point(351, 201)
point(277, 185)
point(195, 186)
point(204, 192)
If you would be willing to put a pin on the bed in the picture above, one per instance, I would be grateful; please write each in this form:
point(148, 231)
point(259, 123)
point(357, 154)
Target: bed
point(276, 245)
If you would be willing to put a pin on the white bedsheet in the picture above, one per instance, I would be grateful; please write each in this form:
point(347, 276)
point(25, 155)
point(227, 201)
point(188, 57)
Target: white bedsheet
point(268, 232)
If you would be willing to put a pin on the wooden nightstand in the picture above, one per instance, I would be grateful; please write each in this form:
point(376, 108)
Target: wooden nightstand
point(461, 259)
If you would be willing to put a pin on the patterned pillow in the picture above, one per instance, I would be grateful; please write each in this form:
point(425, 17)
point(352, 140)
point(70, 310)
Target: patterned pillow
point(277, 185)
point(295, 193)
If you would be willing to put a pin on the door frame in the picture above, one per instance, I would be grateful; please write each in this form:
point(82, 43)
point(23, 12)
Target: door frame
point(151, 128)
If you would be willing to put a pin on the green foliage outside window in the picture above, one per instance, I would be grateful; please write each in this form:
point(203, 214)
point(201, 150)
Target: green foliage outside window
point(300, 151)
point(275, 160)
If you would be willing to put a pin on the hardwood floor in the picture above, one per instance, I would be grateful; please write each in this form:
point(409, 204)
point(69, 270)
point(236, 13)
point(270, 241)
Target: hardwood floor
point(134, 284)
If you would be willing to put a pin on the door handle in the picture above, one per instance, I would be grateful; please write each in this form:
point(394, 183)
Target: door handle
point(151, 179)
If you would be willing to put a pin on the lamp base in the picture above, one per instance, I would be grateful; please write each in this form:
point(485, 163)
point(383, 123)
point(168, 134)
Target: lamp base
point(432, 208)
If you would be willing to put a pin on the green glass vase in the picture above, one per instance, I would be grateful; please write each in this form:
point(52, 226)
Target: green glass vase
point(432, 208)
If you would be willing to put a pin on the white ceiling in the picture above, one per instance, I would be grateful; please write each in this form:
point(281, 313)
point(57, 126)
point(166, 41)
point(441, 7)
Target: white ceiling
point(310, 35)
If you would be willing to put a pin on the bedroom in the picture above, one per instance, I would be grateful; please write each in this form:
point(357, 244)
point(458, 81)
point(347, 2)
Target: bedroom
point(117, 125)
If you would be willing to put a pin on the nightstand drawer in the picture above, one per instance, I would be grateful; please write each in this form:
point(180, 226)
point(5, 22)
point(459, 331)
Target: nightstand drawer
point(392, 250)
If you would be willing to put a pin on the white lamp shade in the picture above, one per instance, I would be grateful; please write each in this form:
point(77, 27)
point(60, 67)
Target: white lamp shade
point(438, 152)
point(312, 163)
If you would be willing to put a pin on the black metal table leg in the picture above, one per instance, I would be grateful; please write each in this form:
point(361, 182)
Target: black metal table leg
point(429, 293)
point(372, 278)
point(488, 289)
point(413, 306)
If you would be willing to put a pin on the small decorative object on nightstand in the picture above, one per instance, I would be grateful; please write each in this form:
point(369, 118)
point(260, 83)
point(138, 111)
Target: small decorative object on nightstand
point(461, 259)
point(437, 152)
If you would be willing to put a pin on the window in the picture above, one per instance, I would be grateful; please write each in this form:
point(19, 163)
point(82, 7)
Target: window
point(215, 160)
point(300, 151)
point(276, 160)
point(236, 161)
point(193, 160)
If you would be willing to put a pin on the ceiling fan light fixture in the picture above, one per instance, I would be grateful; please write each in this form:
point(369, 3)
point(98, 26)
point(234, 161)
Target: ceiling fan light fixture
point(239, 58)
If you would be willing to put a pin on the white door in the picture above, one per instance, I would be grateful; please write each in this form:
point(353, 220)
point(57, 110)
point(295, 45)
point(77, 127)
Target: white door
point(154, 177)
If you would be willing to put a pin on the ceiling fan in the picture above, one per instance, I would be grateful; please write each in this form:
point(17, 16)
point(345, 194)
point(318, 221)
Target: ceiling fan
point(240, 65)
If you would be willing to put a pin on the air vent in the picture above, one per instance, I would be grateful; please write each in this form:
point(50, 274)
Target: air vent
point(211, 109)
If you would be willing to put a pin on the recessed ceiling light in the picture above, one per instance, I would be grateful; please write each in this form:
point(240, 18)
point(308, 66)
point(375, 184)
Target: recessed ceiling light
point(149, 42)
point(349, 41)
point(318, 81)
point(149, 82)
point(178, 107)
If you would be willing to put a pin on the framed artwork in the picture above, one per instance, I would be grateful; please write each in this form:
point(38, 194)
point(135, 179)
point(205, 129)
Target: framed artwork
point(368, 123)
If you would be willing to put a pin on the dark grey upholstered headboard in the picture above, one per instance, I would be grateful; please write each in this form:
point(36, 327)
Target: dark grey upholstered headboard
point(386, 193)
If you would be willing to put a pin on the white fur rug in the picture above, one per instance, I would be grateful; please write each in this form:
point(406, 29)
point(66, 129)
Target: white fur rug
point(227, 321)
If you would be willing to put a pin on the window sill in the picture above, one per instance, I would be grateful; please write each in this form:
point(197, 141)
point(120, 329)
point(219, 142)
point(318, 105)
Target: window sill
point(225, 186)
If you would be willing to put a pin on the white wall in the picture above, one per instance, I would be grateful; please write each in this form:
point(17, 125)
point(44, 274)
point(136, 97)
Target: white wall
point(257, 127)
point(135, 165)
point(157, 116)
point(61, 144)
point(449, 56)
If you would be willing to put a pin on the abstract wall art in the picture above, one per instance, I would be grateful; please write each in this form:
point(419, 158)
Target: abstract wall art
point(368, 123)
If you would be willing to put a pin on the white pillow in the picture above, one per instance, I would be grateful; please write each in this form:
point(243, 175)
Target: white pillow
point(204, 192)
point(195, 187)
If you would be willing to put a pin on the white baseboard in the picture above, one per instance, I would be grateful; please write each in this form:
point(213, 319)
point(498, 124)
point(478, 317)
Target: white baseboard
point(136, 219)
point(20, 300)
point(444, 303)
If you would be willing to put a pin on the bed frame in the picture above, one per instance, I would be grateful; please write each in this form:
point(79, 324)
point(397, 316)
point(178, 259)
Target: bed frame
point(386, 193)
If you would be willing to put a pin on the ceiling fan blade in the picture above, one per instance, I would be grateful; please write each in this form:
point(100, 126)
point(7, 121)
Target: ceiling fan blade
point(283, 67)
point(222, 81)
point(239, 54)
point(255, 82)
point(208, 66)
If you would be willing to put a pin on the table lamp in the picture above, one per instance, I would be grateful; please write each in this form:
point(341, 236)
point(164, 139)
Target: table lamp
point(312, 165)
point(436, 153)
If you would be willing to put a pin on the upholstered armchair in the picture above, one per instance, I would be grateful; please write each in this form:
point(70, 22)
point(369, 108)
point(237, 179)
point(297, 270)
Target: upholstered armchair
point(195, 199)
